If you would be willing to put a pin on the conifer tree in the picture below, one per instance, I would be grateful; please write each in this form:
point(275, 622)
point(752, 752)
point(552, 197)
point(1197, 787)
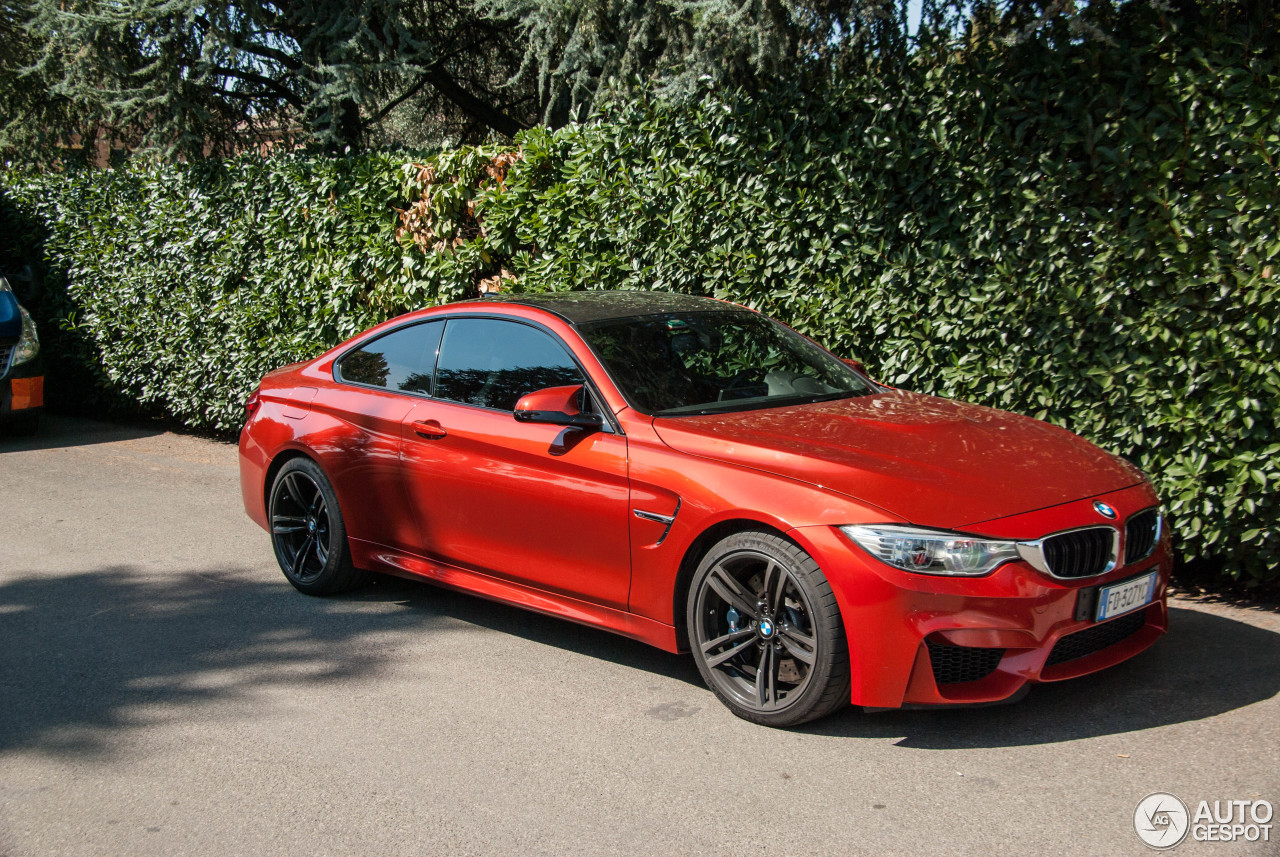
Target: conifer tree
point(576, 49)
point(200, 76)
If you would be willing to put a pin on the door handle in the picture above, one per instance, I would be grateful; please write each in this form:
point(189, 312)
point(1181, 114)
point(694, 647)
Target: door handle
point(430, 429)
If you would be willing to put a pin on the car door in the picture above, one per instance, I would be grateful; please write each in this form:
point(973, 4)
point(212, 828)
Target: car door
point(510, 498)
point(380, 385)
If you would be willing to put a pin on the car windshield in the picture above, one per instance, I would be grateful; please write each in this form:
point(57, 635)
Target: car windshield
point(707, 362)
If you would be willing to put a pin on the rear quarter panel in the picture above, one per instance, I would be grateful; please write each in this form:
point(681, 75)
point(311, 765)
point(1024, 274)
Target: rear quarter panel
point(352, 433)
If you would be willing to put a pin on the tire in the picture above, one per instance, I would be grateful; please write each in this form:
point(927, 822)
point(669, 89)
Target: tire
point(766, 632)
point(307, 531)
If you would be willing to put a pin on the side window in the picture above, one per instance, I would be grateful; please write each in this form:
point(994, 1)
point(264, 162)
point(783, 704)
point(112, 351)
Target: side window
point(492, 363)
point(402, 360)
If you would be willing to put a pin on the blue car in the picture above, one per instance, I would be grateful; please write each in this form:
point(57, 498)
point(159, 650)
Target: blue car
point(21, 371)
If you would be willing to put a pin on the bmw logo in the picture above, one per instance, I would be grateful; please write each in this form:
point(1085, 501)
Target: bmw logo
point(1104, 510)
point(766, 628)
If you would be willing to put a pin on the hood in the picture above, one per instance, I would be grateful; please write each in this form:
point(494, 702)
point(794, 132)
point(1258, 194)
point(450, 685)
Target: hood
point(933, 462)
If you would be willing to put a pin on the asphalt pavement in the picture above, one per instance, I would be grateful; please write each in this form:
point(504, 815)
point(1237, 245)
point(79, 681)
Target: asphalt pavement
point(163, 691)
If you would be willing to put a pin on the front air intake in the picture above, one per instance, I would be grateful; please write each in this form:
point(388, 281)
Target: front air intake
point(1081, 643)
point(960, 664)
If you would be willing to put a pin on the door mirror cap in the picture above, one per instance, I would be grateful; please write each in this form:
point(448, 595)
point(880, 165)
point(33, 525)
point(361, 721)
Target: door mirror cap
point(855, 365)
point(556, 406)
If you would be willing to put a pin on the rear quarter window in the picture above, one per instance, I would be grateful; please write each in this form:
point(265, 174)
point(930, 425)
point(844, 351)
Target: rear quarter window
point(402, 360)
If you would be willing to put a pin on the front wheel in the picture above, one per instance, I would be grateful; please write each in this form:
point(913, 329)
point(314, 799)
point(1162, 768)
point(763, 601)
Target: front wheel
point(308, 533)
point(766, 632)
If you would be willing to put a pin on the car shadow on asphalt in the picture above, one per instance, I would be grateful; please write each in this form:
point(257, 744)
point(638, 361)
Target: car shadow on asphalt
point(59, 432)
point(536, 627)
point(1205, 666)
point(85, 656)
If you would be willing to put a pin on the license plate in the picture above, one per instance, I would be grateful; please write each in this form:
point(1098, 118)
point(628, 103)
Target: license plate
point(1123, 597)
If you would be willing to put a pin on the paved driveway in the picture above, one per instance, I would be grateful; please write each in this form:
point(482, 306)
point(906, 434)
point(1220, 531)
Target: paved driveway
point(164, 691)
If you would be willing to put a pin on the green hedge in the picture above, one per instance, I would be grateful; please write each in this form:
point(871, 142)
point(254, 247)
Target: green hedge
point(186, 283)
point(1087, 234)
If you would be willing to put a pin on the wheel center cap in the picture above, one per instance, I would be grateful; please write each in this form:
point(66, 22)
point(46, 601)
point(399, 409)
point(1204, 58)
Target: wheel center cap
point(767, 628)
point(311, 525)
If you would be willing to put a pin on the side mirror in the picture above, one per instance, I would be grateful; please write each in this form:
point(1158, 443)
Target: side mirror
point(557, 406)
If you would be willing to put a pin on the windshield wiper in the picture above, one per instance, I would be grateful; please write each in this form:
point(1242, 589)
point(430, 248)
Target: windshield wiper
point(761, 404)
point(831, 397)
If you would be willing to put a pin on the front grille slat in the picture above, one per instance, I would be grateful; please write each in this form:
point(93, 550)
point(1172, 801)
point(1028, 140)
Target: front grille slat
point(1080, 553)
point(1140, 535)
point(1081, 643)
point(960, 664)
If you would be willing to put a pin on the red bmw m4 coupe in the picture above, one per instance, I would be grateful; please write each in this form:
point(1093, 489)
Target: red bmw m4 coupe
point(692, 474)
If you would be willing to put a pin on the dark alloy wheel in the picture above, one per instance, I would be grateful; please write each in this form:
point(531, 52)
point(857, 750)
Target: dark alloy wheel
point(307, 532)
point(766, 632)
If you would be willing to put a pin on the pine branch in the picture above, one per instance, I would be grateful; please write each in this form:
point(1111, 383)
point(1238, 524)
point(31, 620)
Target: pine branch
point(487, 113)
point(262, 80)
point(403, 97)
point(427, 77)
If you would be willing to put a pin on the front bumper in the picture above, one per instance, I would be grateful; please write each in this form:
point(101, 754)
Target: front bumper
point(917, 639)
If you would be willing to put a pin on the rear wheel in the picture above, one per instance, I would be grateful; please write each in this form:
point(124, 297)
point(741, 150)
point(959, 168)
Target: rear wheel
point(766, 632)
point(307, 531)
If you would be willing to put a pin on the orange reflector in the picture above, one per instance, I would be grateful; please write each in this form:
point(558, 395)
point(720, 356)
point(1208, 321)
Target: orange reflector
point(27, 393)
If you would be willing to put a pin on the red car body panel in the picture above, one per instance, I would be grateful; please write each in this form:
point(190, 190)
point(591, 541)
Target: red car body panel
point(471, 498)
point(490, 498)
point(943, 462)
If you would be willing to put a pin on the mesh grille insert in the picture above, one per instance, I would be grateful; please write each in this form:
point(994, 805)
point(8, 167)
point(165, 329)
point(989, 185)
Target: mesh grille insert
point(958, 664)
point(1140, 535)
point(1082, 553)
point(1097, 638)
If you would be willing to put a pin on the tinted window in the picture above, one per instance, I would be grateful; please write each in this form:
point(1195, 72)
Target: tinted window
point(702, 362)
point(401, 360)
point(492, 363)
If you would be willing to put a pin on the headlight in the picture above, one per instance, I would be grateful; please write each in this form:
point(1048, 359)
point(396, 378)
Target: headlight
point(930, 551)
point(29, 344)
